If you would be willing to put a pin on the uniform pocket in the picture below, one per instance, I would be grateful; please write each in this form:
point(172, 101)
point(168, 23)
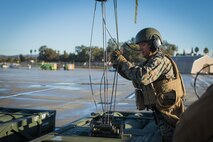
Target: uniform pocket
point(139, 99)
point(167, 99)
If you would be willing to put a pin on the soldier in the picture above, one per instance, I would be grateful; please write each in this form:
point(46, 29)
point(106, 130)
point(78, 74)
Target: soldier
point(196, 123)
point(157, 81)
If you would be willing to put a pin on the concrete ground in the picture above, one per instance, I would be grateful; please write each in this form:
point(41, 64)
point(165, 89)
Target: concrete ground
point(69, 92)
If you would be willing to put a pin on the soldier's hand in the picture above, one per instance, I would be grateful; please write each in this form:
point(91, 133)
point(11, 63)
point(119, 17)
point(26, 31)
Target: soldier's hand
point(115, 54)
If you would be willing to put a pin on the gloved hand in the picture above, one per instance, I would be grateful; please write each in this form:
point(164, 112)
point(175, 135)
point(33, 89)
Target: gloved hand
point(117, 58)
point(114, 55)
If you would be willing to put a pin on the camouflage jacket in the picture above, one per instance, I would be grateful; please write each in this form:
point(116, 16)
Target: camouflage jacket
point(159, 70)
point(157, 67)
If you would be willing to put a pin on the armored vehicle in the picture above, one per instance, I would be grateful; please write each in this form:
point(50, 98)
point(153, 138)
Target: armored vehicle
point(19, 125)
point(109, 126)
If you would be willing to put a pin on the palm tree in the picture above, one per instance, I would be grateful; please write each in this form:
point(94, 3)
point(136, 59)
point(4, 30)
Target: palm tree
point(35, 55)
point(184, 53)
point(192, 52)
point(31, 51)
point(206, 50)
point(196, 50)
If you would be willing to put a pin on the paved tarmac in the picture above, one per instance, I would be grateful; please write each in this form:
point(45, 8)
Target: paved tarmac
point(69, 92)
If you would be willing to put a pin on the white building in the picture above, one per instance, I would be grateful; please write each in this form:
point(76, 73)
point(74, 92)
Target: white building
point(205, 62)
point(193, 64)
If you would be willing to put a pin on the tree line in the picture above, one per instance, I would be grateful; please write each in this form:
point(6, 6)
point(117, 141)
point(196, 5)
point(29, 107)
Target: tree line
point(97, 54)
point(94, 54)
point(194, 52)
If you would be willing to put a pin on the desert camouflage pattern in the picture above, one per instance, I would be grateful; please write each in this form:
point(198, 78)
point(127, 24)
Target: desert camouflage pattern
point(157, 70)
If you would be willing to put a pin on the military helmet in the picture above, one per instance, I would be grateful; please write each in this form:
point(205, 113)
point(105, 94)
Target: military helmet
point(149, 34)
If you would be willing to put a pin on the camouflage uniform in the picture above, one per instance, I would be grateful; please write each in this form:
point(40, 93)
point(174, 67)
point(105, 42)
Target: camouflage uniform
point(156, 68)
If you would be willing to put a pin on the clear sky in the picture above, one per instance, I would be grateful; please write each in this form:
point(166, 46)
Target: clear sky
point(64, 24)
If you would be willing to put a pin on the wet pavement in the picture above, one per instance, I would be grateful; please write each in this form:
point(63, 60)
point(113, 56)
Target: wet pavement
point(69, 92)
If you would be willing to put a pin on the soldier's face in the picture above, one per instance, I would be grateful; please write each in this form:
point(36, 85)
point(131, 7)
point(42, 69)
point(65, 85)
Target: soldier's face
point(144, 49)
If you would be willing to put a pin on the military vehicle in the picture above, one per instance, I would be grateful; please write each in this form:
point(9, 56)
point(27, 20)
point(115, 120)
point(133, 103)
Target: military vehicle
point(18, 125)
point(107, 127)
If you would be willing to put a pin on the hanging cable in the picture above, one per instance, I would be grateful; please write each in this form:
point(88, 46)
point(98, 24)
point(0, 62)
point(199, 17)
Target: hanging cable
point(90, 56)
point(104, 98)
point(114, 88)
point(115, 80)
point(116, 73)
point(101, 98)
point(105, 76)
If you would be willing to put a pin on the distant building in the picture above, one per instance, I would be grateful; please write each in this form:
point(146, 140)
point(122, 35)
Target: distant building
point(193, 64)
point(201, 63)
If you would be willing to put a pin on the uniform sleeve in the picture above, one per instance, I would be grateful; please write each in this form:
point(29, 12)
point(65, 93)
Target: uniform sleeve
point(147, 73)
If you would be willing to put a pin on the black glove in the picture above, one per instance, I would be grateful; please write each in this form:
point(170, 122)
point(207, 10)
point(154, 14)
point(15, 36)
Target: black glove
point(114, 55)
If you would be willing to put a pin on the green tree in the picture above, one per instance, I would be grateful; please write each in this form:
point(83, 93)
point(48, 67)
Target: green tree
point(42, 53)
point(206, 50)
point(192, 51)
point(64, 57)
point(196, 50)
point(111, 45)
point(184, 53)
point(10, 59)
point(97, 54)
point(169, 48)
point(72, 57)
point(82, 53)
point(31, 51)
point(47, 54)
point(22, 58)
